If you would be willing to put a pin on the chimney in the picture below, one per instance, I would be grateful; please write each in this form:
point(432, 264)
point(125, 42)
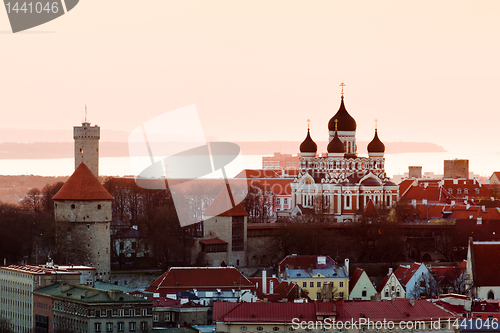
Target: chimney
point(468, 206)
point(264, 282)
point(414, 203)
point(483, 208)
point(65, 287)
point(271, 286)
point(390, 270)
point(479, 220)
point(346, 264)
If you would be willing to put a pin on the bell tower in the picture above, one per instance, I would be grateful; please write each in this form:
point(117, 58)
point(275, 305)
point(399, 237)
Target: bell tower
point(87, 145)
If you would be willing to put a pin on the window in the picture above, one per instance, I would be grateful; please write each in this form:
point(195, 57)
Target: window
point(318, 284)
point(276, 328)
point(341, 284)
point(121, 326)
point(363, 293)
point(155, 317)
point(450, 190)
point(109, 313)
point(397, 294)
point(144, 325)
point(466, 191)
point(98, 206)
point(131, 326)
point(73, 206)
point(97, 327)
point(144, 312)
point(386, 294)
point(260, 328)
point(109, 327)
point(243, 328)
point(285, 201)
point(311, 284)
point(318, 296)
point(97, 313)
point(304, 284)
point(132, 313)
point(392, 288)
point(121, 313)
point(167, 316)
point(341, 294)
point(278, 201)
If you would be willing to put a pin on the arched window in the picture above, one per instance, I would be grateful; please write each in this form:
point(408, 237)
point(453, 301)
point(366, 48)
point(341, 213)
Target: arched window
point(450, 190)
point(491, 295)
point(459, 191)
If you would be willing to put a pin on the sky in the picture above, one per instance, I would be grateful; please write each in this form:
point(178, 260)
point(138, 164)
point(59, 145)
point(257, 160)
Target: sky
point(257, 70)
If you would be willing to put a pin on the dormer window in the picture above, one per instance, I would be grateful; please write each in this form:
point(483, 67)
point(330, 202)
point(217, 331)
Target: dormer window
point(450, 190)
point(466, 191)
point(459, 191)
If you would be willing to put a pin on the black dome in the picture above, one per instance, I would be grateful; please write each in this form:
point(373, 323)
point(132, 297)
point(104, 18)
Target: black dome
point(335, 146)
point(376, 146)
point(308, 145)
point(345, 121)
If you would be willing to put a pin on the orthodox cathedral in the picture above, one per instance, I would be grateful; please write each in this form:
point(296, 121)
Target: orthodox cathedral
point(340, 183)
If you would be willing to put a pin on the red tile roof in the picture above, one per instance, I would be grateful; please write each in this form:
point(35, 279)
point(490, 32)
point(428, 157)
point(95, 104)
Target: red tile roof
point(405, 273)
point(457, 309)
point(222, 206)
point(405, 185)
point(396, 311)
point(82, 185)
point(485, 259)
point(178, 279)
point(355, 277)
point(281, 290)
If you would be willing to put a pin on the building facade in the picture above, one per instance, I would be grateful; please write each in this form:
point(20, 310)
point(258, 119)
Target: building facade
point(17, 283)
point(84, 309)
point(341, 183)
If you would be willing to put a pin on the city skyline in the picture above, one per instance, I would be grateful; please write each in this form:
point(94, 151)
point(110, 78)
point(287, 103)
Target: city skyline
point(257, 71)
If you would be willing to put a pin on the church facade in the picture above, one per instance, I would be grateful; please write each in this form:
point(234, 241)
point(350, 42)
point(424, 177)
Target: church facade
point(341, 183)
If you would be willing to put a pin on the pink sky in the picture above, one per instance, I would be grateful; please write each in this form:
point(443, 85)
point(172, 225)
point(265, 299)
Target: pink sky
point(257, 70)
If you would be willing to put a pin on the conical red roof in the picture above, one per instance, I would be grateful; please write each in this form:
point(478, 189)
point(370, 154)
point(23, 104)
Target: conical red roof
point(82, 185)
point(222, 206)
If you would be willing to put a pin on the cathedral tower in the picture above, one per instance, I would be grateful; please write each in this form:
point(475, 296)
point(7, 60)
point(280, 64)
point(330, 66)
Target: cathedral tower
point(82, 209)
point(87, 146)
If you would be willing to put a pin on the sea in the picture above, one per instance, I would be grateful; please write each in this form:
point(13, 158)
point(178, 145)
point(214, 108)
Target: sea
point(481, 164)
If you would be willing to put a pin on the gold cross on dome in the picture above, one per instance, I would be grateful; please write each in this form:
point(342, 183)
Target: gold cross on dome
point(342, 85)
point(336, 121)
point(308, 122)
point(376, 121)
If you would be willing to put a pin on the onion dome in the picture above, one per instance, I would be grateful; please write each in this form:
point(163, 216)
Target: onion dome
point(376, 146)
point(308, 147)
point(335, 146)
point(345, 121)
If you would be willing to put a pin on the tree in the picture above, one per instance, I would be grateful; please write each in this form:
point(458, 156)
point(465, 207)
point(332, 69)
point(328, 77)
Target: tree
point(426, 286)
point(5, 326)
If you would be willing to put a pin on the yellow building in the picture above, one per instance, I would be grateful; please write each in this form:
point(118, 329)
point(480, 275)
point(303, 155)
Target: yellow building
point(320, 283)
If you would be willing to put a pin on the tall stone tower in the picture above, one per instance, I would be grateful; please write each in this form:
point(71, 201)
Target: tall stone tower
point(82, 210)
point(87, 146)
